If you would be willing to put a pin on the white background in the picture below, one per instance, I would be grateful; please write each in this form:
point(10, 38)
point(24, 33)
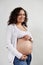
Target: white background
point(34, 9)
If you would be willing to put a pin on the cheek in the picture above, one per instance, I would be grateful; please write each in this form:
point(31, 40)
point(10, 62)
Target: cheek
point(20, 18)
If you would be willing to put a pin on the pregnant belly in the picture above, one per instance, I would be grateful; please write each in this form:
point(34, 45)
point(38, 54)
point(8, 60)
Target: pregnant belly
point(24, 46)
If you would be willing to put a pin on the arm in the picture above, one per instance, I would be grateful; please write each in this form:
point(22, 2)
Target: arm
point(10, 47)
point(26, 37)
point(29, 36)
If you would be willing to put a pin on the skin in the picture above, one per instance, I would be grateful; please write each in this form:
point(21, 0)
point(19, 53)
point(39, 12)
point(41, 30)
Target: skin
point(20, 19)
point(25, 38)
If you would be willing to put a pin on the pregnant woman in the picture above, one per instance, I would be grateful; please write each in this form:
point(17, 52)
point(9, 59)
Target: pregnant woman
point(19, 39)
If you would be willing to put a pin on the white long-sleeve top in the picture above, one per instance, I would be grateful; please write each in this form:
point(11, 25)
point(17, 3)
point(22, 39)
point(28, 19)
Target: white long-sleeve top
point(12, 34)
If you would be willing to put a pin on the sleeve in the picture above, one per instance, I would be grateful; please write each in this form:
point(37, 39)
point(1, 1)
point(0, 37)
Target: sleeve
point(30, 34)
point(31, 37)
point(10, 46)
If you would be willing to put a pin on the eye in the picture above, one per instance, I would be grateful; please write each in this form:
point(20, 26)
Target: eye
point(21, 14)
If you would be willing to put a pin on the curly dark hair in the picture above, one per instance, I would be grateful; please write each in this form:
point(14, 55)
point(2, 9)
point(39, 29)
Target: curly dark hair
point(14, 14)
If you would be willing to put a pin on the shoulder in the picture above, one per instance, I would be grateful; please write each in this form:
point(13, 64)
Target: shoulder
point(25, 27)
point(11, 27)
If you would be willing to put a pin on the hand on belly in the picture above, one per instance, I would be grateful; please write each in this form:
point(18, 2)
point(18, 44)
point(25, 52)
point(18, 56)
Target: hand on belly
point(24, 46)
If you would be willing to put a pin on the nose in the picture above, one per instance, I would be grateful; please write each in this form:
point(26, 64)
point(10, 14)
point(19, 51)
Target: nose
point(22, 15)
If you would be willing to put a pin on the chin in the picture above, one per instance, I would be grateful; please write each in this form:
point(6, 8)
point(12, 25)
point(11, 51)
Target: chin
point(22, 21)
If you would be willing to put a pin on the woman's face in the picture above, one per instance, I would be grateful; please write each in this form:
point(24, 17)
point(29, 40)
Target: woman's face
point(21, 16)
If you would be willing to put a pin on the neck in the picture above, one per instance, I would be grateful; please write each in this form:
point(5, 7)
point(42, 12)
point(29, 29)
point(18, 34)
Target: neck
point(18, 23)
